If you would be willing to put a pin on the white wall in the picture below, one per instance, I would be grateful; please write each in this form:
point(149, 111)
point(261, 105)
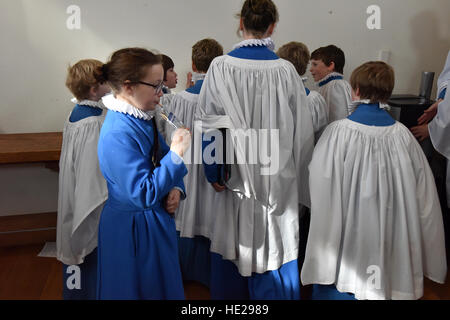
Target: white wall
point(37, 48)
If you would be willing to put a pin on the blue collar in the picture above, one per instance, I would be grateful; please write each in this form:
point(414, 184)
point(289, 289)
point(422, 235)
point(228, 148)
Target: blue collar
point(372, 115)
point(165, 90)
point(324, 82)
point(254, 53)
point(81, 112)
point(195, 89)
point(307, 91)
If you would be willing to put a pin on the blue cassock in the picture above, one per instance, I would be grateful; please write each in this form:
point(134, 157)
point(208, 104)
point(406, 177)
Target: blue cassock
point(137, 241)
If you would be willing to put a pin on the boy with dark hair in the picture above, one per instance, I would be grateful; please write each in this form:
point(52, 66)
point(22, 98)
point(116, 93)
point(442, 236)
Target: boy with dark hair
point(327, 68)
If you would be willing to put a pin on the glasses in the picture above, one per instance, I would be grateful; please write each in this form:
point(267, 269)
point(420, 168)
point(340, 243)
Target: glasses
point(157, 87)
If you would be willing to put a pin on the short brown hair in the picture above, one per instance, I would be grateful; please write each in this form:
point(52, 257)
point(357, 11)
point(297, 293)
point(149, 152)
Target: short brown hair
point(204, 52)
point(82, 76)
point(128, 64)
point(258, 15)
point(375, 81)
point(297, 53)
point(330, 54)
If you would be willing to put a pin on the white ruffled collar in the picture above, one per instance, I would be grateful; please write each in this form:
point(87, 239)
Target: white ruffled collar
point(267, 42)
point(90, 103)
point(114, 104)
point(367, 101)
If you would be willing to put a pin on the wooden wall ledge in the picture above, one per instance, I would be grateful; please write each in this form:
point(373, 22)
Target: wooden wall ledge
point(30, 147)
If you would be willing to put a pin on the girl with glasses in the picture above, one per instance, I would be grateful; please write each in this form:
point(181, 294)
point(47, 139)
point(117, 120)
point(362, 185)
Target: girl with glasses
point(138, 253)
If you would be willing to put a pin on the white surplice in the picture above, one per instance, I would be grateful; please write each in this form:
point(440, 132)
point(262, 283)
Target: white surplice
point(82, 190)
point(376, 222)
point(319, 111)
point(258, 229)
point(338, 95)
point(195, 215)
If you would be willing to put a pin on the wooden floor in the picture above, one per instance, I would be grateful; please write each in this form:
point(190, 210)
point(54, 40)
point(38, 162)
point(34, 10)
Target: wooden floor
point(25, 276)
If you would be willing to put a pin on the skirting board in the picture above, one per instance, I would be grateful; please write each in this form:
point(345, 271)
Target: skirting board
point(19, 230)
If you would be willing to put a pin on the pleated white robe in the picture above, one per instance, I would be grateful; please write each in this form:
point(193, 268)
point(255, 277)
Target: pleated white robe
point(195, 215)
point(258, 229)
point(319, 111)
point(82, 190)
point(376, 222)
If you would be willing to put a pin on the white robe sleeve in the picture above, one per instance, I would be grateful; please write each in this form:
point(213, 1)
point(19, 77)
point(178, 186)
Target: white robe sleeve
point(319, 111)
point(303, 139)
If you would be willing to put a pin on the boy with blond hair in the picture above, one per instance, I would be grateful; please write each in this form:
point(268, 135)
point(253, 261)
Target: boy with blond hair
point(82, 188)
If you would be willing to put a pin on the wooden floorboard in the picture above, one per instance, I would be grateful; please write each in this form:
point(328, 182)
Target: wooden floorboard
point(25, 276)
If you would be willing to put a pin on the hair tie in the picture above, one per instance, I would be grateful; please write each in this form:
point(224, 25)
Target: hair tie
point(105, 72)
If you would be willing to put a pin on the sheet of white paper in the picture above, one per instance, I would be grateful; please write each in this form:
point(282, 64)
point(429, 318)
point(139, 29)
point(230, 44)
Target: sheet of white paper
point(48, 251)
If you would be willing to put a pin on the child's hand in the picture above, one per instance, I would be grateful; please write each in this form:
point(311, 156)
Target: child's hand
point(181, 141)
point(173, 201)
point(189, 82)
point(429, 114)
point(218, 187)
point(421, 132)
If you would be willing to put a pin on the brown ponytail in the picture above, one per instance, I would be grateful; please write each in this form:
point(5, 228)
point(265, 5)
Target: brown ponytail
point(258, 15)
point(128, 64)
